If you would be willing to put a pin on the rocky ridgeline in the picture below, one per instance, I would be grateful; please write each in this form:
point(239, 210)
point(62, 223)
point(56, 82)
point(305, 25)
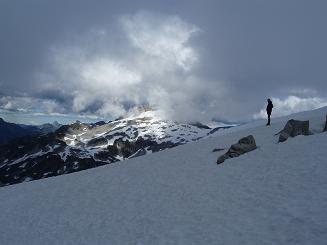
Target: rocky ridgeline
point(81, 146)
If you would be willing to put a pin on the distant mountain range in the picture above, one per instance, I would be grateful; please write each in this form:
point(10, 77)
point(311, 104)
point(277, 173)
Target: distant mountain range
point(9, 131)
point(80, 146)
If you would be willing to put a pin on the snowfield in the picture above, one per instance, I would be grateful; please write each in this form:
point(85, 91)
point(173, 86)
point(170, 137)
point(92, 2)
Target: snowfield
point(276, 194)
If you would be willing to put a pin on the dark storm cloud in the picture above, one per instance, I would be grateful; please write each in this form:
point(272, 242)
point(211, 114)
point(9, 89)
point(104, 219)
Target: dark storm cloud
point(193, 59)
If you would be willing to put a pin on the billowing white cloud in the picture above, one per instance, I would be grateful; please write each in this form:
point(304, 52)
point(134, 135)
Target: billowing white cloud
point(148, 59)
point(103, 58)
point(162, 37)
point(292, 104)
point(154, 66)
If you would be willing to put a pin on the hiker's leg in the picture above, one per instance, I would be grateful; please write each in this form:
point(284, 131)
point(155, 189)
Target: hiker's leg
point(268, 119)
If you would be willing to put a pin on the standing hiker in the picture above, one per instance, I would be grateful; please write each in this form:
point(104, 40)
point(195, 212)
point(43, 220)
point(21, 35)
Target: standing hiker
point(269, 108)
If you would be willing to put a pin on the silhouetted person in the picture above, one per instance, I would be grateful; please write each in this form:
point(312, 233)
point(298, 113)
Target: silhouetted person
point(269, 108)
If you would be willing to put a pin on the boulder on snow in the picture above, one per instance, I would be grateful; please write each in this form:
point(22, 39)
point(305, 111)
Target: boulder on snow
point(244, 145)
point(294, 128)
point(325, 129)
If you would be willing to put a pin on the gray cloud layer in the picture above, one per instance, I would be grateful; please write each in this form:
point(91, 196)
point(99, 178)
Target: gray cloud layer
point(193, 59)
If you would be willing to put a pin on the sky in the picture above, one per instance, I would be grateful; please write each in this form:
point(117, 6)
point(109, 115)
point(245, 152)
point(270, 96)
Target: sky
point(194, 60)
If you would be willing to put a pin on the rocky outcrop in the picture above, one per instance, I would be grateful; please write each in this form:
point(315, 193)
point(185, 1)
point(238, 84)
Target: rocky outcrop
point(325, 129)
point(126, 148)
point(244, 145)
point(294, 128)
point(75, 128)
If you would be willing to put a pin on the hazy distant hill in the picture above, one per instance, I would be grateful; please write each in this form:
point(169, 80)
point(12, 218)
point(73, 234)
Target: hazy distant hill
point(9, 131)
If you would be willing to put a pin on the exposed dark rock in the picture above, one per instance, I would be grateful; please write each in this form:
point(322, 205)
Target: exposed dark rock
point(19, 147)
point(100, 123)
point(97, 141)
point(117, 134)
point(74, 128)
point(200, 125)
point(105, 156)
point(47, 165)
point(112, 150)
point(294, 128)
point(125, 148)
point(325, 129)
point(244, 145)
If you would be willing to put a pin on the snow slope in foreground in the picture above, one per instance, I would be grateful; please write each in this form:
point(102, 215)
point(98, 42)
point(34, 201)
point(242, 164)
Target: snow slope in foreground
point(276, 194)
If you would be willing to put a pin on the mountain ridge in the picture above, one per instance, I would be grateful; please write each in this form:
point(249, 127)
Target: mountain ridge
point(79, 146)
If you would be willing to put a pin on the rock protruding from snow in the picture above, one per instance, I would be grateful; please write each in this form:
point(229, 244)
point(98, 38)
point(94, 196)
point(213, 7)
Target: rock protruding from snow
point(325, 129)
point(294, 128)
point(244, 145)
